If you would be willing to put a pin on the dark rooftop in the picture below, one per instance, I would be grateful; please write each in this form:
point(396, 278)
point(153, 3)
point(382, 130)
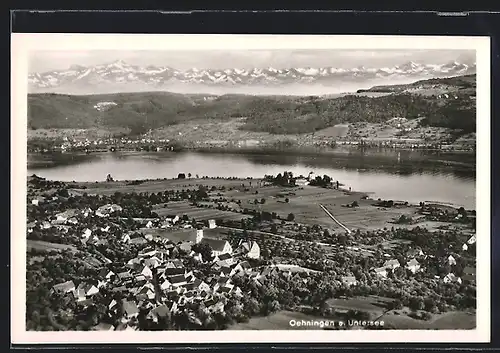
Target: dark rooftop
point(215, 244)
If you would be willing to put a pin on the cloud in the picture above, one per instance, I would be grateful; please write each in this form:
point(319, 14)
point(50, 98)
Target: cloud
point(221, 59)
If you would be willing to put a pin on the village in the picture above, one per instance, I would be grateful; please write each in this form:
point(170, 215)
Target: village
point(396, 133)
point(101, 259)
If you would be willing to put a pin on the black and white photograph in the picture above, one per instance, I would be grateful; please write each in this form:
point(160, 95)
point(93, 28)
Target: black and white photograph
point(289, 185)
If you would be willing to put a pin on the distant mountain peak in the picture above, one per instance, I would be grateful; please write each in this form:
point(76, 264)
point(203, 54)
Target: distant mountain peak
point(119, 75)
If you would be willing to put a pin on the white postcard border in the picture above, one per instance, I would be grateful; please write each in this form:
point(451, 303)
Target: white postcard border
point(21, 44)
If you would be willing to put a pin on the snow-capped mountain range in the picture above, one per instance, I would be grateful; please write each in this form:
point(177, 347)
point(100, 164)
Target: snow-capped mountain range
point(119, 76)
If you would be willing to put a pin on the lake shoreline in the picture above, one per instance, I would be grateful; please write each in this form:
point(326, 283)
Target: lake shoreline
point(416, 177)
point(34, 158)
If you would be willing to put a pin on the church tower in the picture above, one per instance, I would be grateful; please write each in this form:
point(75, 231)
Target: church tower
point(199, 235)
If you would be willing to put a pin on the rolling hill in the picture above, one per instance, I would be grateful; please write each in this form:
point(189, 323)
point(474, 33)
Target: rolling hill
point(452, 105)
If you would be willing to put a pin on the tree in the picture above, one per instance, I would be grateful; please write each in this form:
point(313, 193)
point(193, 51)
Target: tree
point(274, 229)
point(189, 175)
point(416, 303)
point(262, 200)
point(287, 200)
point(181, 176)
point(205, 250)
point(290, 217)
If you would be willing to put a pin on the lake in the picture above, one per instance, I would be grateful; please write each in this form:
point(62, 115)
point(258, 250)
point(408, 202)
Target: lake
point(411, 176)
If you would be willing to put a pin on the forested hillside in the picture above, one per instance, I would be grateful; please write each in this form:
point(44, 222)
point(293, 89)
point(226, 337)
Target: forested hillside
point(274, 114)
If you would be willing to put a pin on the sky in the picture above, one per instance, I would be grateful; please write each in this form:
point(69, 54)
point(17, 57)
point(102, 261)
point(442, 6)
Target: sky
point(41, 61)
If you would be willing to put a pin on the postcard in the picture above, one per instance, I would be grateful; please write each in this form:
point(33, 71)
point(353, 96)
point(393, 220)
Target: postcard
point(170, 188)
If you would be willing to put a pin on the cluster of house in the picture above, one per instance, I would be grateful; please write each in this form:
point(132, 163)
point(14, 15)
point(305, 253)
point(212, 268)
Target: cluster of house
point(414, 266)
point(63, 221)
point(472, 240)
point(69, 144)
point(174, 286)
point(469, 273)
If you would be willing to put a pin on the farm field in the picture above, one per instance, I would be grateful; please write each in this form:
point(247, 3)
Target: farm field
point(339, 130)
point(295, 268)
point(366, 216)
point(184, 208)
point(303, 201)
point(44, 245)
point(109, 188)
point(454, 320)
point(373, 305)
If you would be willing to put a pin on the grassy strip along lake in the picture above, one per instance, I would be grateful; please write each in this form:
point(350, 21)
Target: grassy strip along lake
point(411, 176)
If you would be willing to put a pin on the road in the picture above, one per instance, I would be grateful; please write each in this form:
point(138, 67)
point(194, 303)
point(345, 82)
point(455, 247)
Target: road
point(292, 240)
point(334, 219)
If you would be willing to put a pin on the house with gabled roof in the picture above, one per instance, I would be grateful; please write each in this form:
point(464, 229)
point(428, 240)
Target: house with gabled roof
point(238, 292)
point(126, 238)
point(380, 271)
point(85, 303)
point(112, 305)
point(451, 278)
point(86, 233)
point(218, 246)
point(45, 225)
point(349, 280)
point(413, 265)
point(85, 290)
point(197, 284)
point(64, 287)
point(177, 280)
point(147, 252)
point(106, 273)
point(224, 259)
point(225, 271)
point(152, 262)
point(130, 309)
point(241, 267)
point(415, 252)
point(72, 220)
point(30, 226)
point(64, 216)
point(164, 283)
point(107, 210)
point(147, 291)
point(392, 264)
point(472, 240)
point(162, 311)
point(173, 271)
point(144, 270)
point(147, 304)
point(249, 249)
point(214, 305)
point(124, 276)
point(220, 282)
point(134, 263)
point(38, 200)
point(451, 260)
